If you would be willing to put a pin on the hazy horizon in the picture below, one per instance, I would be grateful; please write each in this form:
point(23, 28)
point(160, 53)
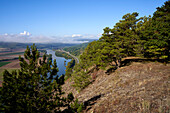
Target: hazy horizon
point(65, 21)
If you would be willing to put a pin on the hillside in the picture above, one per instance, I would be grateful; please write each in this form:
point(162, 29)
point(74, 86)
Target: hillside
point(77, 49)
point(132, 36)
point(106, 83)
point(140, 87)
point(127, 70)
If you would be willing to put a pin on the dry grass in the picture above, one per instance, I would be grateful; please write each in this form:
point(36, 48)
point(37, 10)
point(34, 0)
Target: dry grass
point(135, 88)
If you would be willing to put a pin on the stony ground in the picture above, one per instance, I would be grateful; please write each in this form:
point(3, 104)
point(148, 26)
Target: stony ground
point(139, 87)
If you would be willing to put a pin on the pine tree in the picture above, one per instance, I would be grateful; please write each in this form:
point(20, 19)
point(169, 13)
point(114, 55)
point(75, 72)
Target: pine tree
point(35, 87)
point(123, 40)
point(49, 58)
point(157, 34)
point(69, 69)
point(81, 80)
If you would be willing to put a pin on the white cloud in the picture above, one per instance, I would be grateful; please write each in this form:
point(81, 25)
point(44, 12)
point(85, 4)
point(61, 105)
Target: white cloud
point(25, 33)
point(76, 35)
point(26, 37)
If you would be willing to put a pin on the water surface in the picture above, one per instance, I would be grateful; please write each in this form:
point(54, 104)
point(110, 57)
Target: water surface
point(60, 62)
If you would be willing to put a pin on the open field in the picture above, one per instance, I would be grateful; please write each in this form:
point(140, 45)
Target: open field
point(13, 64)
point(4, 63)
point(9, 59)
point(9, 51)
point(12, 53)
point(10, 62)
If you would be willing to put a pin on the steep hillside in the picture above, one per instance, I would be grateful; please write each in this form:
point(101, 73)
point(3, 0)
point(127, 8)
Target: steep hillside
point(130, 37)
point(140, 87)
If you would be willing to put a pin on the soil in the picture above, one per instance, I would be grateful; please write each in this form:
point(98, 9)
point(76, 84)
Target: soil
point(139, 87)
point(13, 51)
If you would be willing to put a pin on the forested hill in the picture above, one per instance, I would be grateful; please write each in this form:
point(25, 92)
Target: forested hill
point(77, 49)
point(15, 45)
point(133, 36)
point(127, 69)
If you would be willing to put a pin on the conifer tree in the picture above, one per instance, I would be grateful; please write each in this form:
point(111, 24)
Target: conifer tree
point(35, 88)
point(123, 40)
point(69, 68)
point(157, 34)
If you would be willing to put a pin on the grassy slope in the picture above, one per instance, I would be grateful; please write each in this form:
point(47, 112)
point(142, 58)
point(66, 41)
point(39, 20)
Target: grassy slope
point(136, 88)
point(4, 63)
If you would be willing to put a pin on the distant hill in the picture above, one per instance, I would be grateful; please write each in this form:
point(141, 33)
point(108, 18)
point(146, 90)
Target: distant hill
point(88, 40)
point(13, 45)
point(76, 50)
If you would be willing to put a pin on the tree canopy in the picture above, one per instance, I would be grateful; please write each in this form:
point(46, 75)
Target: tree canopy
point(132, 36)
point(157, 34)
point(35, 88)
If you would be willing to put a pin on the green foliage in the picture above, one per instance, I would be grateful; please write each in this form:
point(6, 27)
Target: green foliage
point(76, 107)
point(121, 41)
point(69, 69)
point(131, 36)
point(157, 34)
point(49, 58)
point(90, 57)
point(91, 54)
point(2, 70)
point(34, 88)
point(81, 80)
point(63, 54)
point(124, 39)
point(76, 50)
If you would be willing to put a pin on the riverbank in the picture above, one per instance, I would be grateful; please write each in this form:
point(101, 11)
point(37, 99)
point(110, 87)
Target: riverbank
point(74, 57)
point(61, 62)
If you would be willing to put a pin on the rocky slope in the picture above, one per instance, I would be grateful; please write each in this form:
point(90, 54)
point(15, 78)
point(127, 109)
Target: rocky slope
point(139, 87)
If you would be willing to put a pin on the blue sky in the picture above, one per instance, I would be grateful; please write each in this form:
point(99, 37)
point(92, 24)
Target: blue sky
point(64, 18)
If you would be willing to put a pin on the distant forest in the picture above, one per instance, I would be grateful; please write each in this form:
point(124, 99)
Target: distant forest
point(77, 49)
point(63, 54)
point(13, 45)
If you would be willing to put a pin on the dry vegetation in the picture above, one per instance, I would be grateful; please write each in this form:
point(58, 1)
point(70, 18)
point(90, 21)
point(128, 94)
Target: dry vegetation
point(139, 87)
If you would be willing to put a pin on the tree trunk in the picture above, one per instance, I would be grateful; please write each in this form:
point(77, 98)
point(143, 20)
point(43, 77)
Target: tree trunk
point(119, 62)
point(116, 63)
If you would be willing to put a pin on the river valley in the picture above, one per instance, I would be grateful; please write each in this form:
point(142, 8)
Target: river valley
point(60, 62)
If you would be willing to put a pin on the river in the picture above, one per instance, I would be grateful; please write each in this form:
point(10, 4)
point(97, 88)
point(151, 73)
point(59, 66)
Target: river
point(60, 62)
